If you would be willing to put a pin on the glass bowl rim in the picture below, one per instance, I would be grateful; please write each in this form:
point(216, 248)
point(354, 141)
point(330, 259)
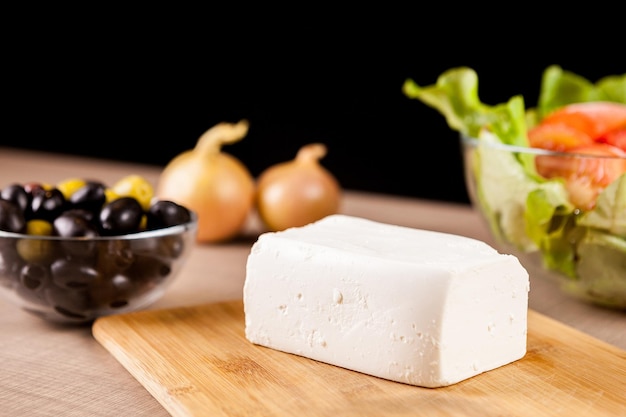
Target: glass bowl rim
point(472, 141)
point(145, 234)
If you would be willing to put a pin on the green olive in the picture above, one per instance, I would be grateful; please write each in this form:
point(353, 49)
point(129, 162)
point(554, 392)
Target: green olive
point(37, 251)
point(137, 187)
point(69, 185)
point(39, 227)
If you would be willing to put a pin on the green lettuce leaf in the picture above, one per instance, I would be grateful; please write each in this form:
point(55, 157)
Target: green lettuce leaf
point(609, 214)
point(560, 87)
point(455, 96)
point(600, 251)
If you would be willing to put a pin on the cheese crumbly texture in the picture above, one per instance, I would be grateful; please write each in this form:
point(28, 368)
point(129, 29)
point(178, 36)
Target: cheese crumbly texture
point(413, 306)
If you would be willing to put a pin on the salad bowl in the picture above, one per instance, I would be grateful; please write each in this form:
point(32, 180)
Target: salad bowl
point(533, 218)
point(546, 195)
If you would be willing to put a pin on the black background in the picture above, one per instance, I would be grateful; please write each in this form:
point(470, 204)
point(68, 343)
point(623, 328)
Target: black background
point(149, 96)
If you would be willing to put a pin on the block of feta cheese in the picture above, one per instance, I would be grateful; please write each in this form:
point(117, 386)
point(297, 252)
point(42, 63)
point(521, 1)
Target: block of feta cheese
point(413, 306)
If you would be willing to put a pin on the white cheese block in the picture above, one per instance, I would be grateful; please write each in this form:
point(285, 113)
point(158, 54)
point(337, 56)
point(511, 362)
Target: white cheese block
point(414, 306)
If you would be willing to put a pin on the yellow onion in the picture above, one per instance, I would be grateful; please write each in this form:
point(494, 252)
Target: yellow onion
point(297, 192)
point(212, 183)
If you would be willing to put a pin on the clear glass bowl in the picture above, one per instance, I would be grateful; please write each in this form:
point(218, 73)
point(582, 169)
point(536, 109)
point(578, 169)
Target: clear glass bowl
point(76, 280)
point(583, 248)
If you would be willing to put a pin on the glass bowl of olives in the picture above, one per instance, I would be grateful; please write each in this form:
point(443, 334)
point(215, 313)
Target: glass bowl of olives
point(79, 249)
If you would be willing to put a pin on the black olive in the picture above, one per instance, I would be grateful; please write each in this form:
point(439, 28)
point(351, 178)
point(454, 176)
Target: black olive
point(71, 273)
point(47, 204)
point(90, 216)
point(11, 217)
point(114, 256)
point(171, 246)
point(120, 217)
point(149, 269)
point(90, 197)
point(165, 213)
point(69, 303)
point(16, 193)
point(10, 264)
point(32, 283)
point(114, 292)
point(72, 223)
point(34, 277)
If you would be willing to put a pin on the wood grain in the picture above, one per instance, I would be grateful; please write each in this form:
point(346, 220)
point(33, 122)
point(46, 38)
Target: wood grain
point(196, 362)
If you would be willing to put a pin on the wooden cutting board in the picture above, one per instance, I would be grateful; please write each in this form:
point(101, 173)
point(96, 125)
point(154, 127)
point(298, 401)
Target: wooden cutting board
point(196, 362)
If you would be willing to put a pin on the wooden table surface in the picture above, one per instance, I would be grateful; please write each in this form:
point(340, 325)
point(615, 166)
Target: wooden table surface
point(48, 370)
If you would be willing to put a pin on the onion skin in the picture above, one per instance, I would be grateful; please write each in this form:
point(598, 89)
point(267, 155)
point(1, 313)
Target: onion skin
point(297, 192)
point(214, 184)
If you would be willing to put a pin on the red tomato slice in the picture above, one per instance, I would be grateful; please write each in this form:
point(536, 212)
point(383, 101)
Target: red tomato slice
point(616, 138)
point(585, 177)
point(557, 137)
point(594, 118)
